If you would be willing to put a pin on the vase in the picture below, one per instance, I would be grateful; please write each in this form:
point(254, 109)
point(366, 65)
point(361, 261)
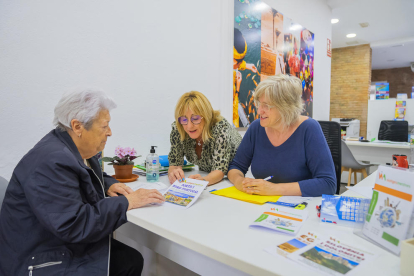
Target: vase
point(123, 171)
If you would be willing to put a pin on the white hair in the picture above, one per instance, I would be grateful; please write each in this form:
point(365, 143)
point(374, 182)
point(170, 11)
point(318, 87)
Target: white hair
point(285, 93)
point(83, 105)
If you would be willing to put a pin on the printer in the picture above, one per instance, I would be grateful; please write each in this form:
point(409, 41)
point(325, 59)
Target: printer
point(350, 126)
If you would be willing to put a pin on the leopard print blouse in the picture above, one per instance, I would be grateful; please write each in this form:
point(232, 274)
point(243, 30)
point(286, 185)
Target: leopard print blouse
point(217, 152)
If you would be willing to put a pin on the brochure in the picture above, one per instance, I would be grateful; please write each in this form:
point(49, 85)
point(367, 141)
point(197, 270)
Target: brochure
point(282, 219)
point(291, 201)
point(184, 194)
point(390, 213)
point(332, 257)
point(287, 248)
point(344, 210)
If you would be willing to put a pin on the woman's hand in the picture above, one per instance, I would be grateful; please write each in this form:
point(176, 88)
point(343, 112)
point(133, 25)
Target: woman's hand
point(119, 188)
point(142, 197)
point(175, 173)
point(257, 186)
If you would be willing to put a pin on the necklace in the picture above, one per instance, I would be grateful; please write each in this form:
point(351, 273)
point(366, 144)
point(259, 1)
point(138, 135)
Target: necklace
point(199, 142)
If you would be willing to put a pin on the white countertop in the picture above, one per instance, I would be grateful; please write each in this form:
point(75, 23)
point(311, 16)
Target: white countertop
point(379, 145)
point(218, 228)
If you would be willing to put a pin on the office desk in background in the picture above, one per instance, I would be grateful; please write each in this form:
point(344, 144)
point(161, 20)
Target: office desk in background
point(213, 237)
point(377, 153)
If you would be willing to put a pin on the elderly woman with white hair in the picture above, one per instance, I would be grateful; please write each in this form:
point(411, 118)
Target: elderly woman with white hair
point(287, 152)
point(60, 209)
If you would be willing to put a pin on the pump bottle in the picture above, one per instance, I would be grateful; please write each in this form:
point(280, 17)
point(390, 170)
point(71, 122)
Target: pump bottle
point(152, 166)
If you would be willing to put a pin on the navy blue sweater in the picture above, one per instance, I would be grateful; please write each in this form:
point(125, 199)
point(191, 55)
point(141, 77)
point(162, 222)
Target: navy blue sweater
point(304, 157)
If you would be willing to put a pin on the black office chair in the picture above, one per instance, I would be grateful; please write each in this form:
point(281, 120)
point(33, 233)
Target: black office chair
point(396, 131)
point(332, 132)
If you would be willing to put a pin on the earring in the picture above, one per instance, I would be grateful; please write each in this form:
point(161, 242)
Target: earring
point(80, 135)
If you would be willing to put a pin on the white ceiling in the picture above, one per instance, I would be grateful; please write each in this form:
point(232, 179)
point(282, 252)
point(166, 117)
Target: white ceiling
point(391, 24)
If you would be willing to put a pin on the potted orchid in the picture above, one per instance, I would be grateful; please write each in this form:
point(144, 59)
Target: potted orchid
point(122, 162)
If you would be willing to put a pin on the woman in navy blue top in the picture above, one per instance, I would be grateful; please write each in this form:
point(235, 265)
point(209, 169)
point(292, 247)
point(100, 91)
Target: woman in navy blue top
point(283, 144)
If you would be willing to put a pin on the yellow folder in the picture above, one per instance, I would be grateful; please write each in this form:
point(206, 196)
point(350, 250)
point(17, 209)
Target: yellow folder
point(232, 192)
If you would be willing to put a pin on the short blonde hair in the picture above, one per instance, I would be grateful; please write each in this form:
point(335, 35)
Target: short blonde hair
point(200, 105)
point(285, 93)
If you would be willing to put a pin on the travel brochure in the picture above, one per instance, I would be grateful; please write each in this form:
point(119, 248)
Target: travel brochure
point(282, 219)
point(389, 219)
point(293, 245)
point(400, 108)
point(332, 257)
point(184, 194)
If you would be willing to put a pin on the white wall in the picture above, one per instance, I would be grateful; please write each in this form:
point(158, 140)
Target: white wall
point(143, 53)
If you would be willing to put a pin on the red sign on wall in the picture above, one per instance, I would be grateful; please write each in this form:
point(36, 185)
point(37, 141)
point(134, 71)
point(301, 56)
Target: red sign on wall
point(329, 49)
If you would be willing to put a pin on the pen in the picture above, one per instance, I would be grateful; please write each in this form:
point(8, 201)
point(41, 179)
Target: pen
point(266, 179)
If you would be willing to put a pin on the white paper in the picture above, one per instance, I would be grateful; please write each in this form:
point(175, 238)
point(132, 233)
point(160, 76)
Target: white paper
point(184, 194)
point(333, 257)
point(306, 239)
point(148, 185)
point(283, 219)
point(364, 191)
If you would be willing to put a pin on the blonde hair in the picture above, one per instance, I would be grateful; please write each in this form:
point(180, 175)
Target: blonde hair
point(200, 105)
point(285, 93)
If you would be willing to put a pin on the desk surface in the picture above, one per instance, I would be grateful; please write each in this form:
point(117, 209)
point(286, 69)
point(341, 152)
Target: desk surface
point(218, 227)
point(378, 145)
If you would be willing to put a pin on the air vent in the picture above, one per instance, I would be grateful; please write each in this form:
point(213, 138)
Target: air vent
point(364, 25)
point(399, 45)
point(355, 42)
point(390, 60)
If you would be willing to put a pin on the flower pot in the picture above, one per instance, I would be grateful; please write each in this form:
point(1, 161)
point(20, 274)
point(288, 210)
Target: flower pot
point(123, 171)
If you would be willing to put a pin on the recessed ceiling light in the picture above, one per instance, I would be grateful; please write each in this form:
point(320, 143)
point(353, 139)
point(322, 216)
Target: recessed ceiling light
point(350, 35)
point(334, 21)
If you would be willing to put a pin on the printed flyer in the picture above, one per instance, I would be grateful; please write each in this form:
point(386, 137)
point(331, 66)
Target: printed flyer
point(283, 219)
point(184, 194)
point(332, 257)
point(389, 215)
point(293, 245)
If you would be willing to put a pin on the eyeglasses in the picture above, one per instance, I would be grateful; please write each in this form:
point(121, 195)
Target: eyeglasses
point(265, 107)
point(195, 119)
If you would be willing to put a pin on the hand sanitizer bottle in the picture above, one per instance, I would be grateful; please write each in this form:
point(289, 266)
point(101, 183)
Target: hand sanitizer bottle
point(152, 166)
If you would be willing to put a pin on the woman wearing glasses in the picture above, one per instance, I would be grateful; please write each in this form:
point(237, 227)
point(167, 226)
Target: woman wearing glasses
point(284, 146)
point(203, 136)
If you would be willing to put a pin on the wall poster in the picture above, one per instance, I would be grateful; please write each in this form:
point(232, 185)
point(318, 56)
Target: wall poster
point(267, 43)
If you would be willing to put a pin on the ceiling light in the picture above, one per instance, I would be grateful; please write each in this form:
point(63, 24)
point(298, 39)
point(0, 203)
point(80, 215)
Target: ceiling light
point(334, 21)
point(364, 25)
point(295, 27)
point(260, 6)
point(350, 35)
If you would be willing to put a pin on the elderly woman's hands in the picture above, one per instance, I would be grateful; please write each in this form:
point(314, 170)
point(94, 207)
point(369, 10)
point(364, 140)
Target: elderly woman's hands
point(119, 188)
point(142, 197)
point(257, 186)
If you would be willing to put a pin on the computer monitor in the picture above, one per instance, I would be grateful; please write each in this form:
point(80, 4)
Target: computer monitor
point(396, 131)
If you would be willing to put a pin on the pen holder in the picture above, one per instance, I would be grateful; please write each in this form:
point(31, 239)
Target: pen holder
point(407, 253)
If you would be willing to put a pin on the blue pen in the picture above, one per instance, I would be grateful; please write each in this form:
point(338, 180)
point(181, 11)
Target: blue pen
point(268, 178)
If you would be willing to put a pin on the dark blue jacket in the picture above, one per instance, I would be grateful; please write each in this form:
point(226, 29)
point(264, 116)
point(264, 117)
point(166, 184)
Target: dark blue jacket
point(55, 217)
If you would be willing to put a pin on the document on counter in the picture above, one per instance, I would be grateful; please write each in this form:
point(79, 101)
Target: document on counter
point(148, 185)
point(184, 194)
point(390, 215)
point(291, 201)
point(232, 192)
point(333, 257)
point(282, 219)
point(301, 241)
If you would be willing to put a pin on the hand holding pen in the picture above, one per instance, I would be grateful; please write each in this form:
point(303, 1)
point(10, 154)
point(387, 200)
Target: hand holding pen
point(257, 186)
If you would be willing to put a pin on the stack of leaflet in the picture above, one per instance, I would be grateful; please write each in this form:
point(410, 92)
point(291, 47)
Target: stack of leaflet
point(141, 169)
point(282, 219)
point(232, 192)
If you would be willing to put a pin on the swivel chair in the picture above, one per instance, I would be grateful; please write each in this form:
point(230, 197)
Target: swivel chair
point(351, 164)
point(396, 131)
